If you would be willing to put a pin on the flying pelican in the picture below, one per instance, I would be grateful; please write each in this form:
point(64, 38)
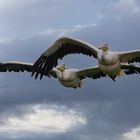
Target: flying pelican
point(109, 62)
point(67, 77)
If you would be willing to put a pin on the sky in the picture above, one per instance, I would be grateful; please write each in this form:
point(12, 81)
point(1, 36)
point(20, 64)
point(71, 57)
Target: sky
point(45, 110)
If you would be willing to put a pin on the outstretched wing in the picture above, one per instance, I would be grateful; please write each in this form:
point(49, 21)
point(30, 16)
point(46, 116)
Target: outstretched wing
point(93, 72)
point(17, 66)
point(61, 47)
point(130, 56)
point(130, 69)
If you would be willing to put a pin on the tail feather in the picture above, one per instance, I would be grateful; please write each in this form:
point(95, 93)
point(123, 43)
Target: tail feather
point(121, 73)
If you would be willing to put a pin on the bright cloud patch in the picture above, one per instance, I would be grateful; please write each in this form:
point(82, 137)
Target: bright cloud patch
point(44, 119)
point(134, 134)
point(62, 31)
point(127, 6)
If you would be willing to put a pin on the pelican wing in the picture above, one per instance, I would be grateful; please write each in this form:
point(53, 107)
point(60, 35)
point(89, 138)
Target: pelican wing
point(93, 72)
point(17, 66)
point(130, 69)
point(130, 56)
point(61, 47)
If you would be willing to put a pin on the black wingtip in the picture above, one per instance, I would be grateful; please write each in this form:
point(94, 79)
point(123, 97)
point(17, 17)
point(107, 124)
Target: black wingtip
point(41, 76)
point(32, 74)
point(36, 75)
point(113, 78)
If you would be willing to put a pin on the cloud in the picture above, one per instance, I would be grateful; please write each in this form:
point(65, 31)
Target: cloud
point(67, 31)
point(41, 15)
point(106, 109)
point(134, 134)
point(38, 13)
point(41, 119)
point(128, 6)
point(6, 3)
point(119, 10)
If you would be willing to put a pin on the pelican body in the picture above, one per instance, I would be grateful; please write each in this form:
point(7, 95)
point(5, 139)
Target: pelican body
point(109, 62)
point(68, 77)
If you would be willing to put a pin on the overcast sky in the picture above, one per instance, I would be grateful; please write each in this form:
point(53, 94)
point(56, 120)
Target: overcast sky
point(45, 110)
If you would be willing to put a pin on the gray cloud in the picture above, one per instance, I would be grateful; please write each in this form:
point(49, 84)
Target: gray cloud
point(111, 108)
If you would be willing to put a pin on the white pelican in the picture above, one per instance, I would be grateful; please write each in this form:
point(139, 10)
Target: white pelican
point(67, 77)
point(109, 62)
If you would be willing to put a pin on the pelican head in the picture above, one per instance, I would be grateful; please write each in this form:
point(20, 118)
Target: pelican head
point(104, 47)
point(61, 67)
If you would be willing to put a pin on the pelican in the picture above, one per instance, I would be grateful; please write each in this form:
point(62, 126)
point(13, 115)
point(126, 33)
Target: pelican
point(109, 62)
point(72, 78)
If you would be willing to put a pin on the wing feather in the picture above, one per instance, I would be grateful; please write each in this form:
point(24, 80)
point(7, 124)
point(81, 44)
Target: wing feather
point(17, 66)
point(93, 72)
point(61, 47)
point(130, 56)
point(130, 69)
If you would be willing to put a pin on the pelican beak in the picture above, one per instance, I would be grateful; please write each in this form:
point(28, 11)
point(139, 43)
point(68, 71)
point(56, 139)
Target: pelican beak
point(104, 47)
